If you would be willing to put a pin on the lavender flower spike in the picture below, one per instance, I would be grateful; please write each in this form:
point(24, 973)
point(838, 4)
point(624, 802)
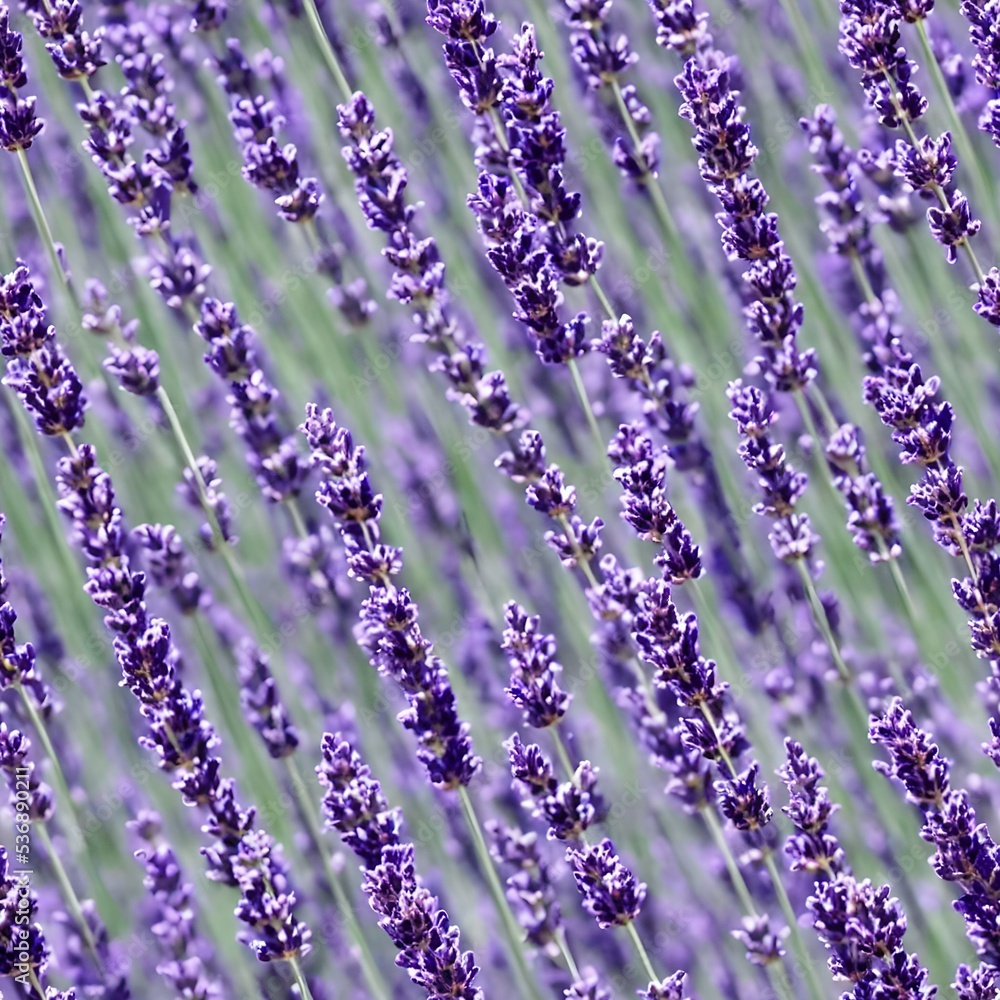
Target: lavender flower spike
point(534, 681)
point(392, 633)
point(429, 944)
point(19, 126)
point(611, 894)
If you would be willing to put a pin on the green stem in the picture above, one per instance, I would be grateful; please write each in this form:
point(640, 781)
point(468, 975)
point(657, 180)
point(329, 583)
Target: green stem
point(35, 984)
point(822, 621)
point(44, 230)
point(775, 970)
point(562, 753)
point(640, 949)
point(735, 875)
point(69, 895)
point(528, 987)
point(798, 944)
point(581, 391)
point(58, 777)
point(300, 979)
point(647, 179)
point(326, 48)
point(250, 604)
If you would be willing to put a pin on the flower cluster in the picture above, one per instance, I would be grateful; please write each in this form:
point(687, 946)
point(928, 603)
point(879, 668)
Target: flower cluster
point(870, 40)
point(391, 632)
point(568, 807)
point(602, 56)
point(749, 232)
point(964, 851)
point(19, 124)
point(984, 33)
point(185, 966)
point(181, 738)
point(791, 537)
point(38, 369)
point(233, 356)
point(641, 470)
point(429, 944)
point(534, 670)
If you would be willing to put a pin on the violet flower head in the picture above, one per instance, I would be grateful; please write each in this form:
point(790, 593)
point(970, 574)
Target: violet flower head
point(811, 848)
point(568, 807)
point(18, 661)
point(233, 356)
point(391, 630)
point(529, 889)
point(750, 233)
point(965, 853)
point(23, 947)
point(262, 703)
point(863, 928)
point(611, 894)
point(577, 542)
point(419, 273)
point(75, 53)
point(870, 41)
point(671, 988)
point(534, 681)
point(19, 125)
point(271, 166)
point(871, 519)
point(38, 369)
point(30, 798)
point(429, 944)
point(641, 472)
point(984, 33)
point(587, 987)
point(353, 802)
point(791, 537)
point(603, 55)
point(170, 566)
point(183, 967)
point(537, 150)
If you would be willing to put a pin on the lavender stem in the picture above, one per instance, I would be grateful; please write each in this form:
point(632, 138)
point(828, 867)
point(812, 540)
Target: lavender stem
point(69, 895)
point(510, 925)
point(329, 56)
point(44, 229)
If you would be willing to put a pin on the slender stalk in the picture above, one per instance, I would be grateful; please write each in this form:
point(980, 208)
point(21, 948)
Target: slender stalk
point(823, 622)
point(798, 945)
point(574, 969)
point(300, 979)
point(640, 949)
point(44, 230)
point(69, 895)
point(326, 48)
point(35, 984)
point(561, 752)
point(528, 986)
point(775, 970)
point(58, 777)
point(581, 391)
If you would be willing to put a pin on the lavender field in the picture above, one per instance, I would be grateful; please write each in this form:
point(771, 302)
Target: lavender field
point(498, 499)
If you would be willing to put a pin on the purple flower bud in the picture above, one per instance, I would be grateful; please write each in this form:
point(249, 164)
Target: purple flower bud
point(534, 683)
point(611, 894)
